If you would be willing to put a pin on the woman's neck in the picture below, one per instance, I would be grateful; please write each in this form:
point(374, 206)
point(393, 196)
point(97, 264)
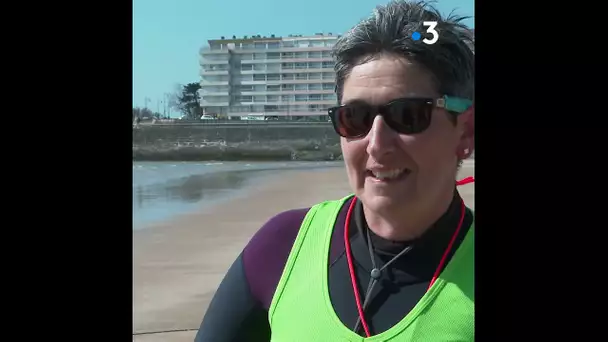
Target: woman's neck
point(409, 224)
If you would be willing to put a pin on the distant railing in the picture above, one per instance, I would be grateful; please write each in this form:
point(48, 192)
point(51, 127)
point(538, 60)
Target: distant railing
point(239, 123)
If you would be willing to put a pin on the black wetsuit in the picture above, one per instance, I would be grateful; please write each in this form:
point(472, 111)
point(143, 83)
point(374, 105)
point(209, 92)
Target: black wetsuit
point(239, 309)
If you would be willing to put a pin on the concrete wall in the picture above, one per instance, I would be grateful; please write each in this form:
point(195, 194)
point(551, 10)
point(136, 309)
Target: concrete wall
point(236, 142)
point(172, 135)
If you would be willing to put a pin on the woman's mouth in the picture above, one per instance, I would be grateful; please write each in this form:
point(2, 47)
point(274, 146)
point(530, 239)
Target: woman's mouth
point(388, 175)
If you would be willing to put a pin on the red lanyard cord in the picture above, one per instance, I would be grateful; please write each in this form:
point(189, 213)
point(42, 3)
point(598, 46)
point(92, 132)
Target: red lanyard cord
point(351, 268)
point(466, 180)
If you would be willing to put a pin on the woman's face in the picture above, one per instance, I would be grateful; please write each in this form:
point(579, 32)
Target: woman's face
point(422, 166)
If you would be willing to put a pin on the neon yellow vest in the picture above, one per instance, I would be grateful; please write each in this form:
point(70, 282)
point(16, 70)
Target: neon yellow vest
point(301, 310)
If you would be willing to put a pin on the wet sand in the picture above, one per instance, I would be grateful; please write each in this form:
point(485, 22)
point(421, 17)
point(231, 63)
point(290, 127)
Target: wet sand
point(177, 265)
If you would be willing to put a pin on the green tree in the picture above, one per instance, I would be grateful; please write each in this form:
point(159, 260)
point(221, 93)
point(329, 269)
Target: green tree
point(188, 101)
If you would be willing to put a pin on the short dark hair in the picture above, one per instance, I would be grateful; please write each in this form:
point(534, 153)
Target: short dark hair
point(451, 60)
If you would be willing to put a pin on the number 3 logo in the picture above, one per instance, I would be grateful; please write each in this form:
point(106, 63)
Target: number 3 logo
point(431, 30)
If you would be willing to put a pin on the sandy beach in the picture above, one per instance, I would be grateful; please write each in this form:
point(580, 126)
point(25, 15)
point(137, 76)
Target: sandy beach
point(177, 265)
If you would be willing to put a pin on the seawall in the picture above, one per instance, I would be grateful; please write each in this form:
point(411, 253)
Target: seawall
point(242, 141)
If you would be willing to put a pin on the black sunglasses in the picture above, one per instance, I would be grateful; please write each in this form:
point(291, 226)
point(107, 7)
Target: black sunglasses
point(405, 116)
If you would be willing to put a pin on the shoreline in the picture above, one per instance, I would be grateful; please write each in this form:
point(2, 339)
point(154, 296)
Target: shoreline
point(253, 152)
point(216, 188)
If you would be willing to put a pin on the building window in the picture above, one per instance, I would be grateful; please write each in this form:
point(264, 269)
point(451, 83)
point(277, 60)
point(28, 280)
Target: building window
point(328, 75)
point(273, 67)
point(314, 97)
point(314, 86)
point(328, 65)
point(259, 77)
point(273, 88)
point(244, 98)
point(314, 76)
point(314, 54)
point(301, 98)
point(303, 43)
point(246, 67)
point(216, 99)
point(273, 77)
point(244, 78)
point(245, 88)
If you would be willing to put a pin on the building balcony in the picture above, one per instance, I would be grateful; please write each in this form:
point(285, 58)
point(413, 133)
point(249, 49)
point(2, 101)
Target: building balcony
point(205, 50)
point(204, 82)
point(283, 92)
point(206, 61)
point(281, 49)
point(285, 60)
point(296, 81)
point(236, 82)
point(251, 72)
point(305, 71)
point(282, 113)
point(214, 93)
point(214, 104)
point(306, 60)
point(320, 102)
point(284, 103)
point(213, 72)
point(260, 61)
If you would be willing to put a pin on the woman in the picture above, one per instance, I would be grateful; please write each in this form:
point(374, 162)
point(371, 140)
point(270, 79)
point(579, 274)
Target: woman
point(394, 261)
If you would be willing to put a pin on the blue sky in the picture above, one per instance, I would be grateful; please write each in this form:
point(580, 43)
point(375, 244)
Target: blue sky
point(167, 34)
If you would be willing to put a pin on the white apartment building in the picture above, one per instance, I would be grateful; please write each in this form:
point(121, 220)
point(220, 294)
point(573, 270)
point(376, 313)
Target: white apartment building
point(279, 77)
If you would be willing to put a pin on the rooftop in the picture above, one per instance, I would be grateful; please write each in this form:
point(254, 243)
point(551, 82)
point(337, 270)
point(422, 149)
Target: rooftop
point(271, 38)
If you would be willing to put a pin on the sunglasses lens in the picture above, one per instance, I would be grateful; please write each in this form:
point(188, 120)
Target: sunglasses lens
point(409, 116)
point(353, 121)
point(406, 116)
